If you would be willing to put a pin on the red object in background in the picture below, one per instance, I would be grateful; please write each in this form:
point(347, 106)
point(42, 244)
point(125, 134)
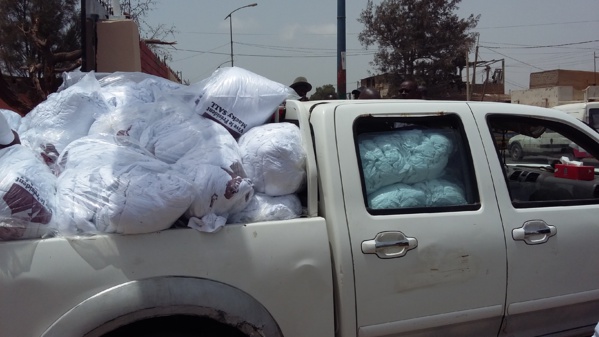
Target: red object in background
point(580, 153)
point(281, 112)
point(574, 172)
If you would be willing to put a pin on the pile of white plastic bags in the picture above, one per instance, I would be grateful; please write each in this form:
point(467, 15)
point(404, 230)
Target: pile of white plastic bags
point(132, 153)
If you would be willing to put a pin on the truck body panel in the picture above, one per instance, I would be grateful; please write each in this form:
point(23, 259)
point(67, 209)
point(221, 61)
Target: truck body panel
point(62, 273)
point(587, 112)
point(423, 291)
point(559, 298)
point(496, 247)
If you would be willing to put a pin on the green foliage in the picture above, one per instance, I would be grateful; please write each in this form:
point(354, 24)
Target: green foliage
point(38, 38)
point(418, 39)
point(28, 26)
point(322, 92)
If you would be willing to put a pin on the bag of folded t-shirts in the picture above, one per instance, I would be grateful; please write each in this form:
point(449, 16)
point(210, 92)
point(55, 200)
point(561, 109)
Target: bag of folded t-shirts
point(274, 158)
point(218, 193)
point(240, 99)
point(264, 207)
point(111, 184)
point(27, 195)
point(64, 116)
point(185, 137)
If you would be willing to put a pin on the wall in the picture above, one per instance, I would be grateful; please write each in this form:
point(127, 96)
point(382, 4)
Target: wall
point(118, 46)
point(488, 88)
point(544, 97)
point(151, 64)
point(580, 80)
point(591, 93)
point(120, 49)
point(379, 82)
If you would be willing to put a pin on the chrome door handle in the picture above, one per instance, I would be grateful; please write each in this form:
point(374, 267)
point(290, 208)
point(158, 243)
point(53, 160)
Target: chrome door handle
point(399, 243)
point(388, 245)
point(534, 232)
point(539, 231)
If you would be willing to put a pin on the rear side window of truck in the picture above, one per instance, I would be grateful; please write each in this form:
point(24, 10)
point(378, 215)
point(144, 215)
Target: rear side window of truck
point(415, 165)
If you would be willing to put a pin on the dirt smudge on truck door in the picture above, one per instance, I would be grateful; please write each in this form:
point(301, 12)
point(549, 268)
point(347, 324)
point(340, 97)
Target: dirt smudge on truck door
point(434, 265)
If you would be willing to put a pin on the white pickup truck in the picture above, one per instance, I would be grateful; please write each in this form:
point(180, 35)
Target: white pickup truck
point(456, 241)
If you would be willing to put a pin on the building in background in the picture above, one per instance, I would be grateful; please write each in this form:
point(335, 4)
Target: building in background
point(556, 87)
point(492, 87)
point(111, 42)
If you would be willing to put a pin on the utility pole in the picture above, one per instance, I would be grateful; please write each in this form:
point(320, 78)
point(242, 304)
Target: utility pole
point(231, 25)
point(467, 75)
point(341, 55)
point(475, 61)
point(595, 68)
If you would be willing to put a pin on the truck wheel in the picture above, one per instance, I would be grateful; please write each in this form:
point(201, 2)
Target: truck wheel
point(516, 152)
point(176, 326)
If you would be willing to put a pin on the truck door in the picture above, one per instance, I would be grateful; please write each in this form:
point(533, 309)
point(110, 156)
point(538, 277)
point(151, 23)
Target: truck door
point(550, 215)
point(426, 236)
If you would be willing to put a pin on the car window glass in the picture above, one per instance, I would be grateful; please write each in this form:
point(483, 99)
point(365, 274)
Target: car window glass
point(414, 164)
point(594, 118)
point(556, 168)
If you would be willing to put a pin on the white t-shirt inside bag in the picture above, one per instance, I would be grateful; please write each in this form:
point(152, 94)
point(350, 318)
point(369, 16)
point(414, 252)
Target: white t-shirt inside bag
point(239, 99)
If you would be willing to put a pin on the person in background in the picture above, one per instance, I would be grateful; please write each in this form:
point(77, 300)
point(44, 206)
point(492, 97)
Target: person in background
point(369, 93)
point(301, 87)
point(423, 91)
point(408, 89)
point(356, 92)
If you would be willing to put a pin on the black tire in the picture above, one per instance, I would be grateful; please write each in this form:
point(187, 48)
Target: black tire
point(516, 152)
point(176, 326)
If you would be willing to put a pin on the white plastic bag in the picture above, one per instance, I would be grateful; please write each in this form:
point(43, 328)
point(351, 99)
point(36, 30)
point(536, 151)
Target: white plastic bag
point(218, 192)
point(64, 116)
point(108, 184)
point(274, 158)
point(12, 118)
point(266, 208)
point(239, 99)
point(180, 135)
point(27, 195)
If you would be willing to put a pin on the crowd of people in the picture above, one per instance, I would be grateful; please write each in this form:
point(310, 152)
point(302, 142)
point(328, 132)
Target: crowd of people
point(408, 89)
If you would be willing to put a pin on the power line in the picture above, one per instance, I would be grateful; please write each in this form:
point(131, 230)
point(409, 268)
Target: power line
point(264, 55)
point(511, 58)
point(291, 48)
point(545, 46)
point(539, 24)
point(327, 52)
point(199, 52)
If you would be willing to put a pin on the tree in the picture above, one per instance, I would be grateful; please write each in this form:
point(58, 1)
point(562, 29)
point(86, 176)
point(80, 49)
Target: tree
point(154, 36)
point(39, 39)
point(322, 92)
point(421, 40)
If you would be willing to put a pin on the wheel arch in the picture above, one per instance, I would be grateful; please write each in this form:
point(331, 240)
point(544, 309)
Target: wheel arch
point(165, 296)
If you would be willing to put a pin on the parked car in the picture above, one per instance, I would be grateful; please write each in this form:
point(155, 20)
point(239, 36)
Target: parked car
point(549, 143)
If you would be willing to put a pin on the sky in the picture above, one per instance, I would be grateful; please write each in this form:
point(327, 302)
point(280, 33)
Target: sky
point(282, 40)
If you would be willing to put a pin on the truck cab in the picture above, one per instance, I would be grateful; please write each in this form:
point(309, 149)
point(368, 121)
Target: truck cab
point(587, 112)
point(479, 246)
